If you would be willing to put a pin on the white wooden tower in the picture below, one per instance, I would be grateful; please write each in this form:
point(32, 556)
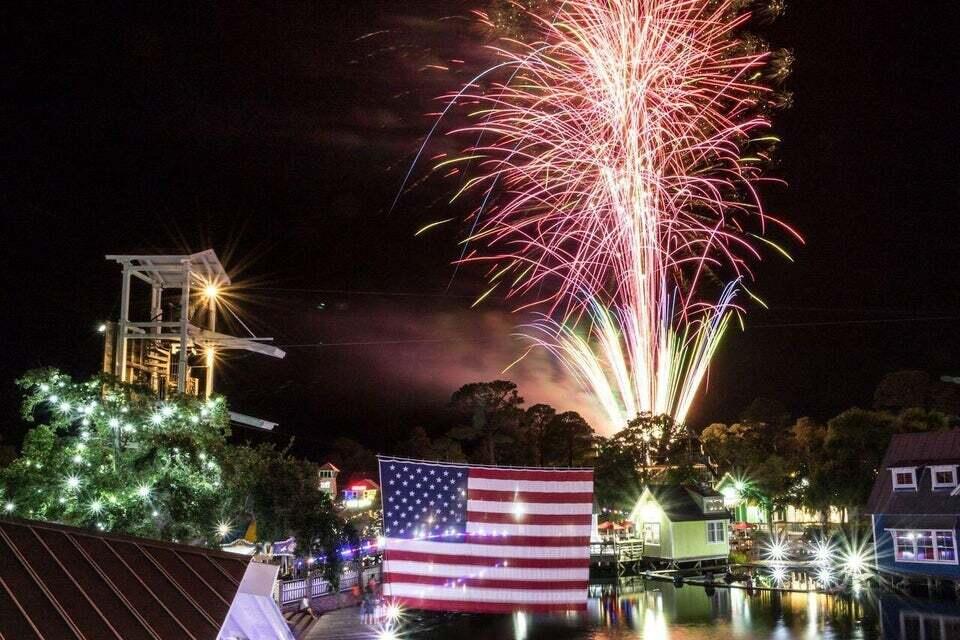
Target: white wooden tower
point(171, 329)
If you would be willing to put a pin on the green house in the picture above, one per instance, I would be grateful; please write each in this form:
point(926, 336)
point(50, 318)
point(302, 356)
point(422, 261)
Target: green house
point(742, 508)
point(683, 525)
point(742, 503)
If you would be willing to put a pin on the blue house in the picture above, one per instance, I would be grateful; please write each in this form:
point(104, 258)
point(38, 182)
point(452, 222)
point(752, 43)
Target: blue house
point(915, 506)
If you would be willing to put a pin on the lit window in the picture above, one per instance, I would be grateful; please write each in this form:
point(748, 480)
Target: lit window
point(716, 532)
point(924, 545)
point(651, 533)
point(946, 551)
point(905, 478)
point(944, 476)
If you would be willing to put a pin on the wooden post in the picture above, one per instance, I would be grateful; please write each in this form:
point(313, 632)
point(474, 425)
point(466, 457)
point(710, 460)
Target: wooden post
point(120, 367)
point(184, 323)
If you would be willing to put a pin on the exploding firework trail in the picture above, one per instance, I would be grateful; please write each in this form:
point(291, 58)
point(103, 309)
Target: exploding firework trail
point(614, 162)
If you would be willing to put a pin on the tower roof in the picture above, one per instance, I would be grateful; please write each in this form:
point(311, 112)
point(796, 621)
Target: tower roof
point(167, 270)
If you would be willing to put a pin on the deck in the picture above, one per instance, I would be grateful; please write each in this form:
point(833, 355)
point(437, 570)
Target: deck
point(341, 624)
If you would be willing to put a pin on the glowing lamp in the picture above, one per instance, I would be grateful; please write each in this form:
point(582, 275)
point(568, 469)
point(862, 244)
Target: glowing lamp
point(650, 512)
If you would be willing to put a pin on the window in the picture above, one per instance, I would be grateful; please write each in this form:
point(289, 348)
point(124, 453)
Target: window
point(716, 532)
point(651, 533)
point(944, 476)
point(924, 545)
point(712, 505)
point(946, 551)
point(905, 478)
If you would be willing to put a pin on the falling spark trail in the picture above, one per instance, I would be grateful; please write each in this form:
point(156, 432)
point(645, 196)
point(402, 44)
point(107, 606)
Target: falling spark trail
point(618, 173)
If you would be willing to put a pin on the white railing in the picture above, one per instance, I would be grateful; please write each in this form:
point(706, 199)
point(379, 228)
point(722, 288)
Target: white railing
point(291, 591)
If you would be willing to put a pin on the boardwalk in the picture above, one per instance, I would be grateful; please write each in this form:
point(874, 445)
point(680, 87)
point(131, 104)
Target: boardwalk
point(342, 624)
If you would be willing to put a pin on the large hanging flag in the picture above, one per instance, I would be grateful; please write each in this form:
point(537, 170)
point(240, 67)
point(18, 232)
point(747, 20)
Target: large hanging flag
point(486, 539)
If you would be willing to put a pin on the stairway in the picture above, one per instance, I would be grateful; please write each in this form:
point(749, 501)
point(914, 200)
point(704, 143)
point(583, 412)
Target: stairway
point(300, 622)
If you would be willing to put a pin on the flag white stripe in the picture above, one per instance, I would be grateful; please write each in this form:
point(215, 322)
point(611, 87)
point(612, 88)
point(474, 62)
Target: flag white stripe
point(439, 570)
point(546, 530)
point(485, 550)
point(543, 508)
point(482, 594)
point(533, 486)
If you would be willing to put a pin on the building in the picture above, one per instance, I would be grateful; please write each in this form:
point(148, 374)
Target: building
point(682, 525)
point(745, 508)
point(915, 505)
point(360, 493)
point(166, 337)
point(328, 479)
point(64, 582)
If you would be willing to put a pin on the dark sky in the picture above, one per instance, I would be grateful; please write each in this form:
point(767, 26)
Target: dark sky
point(275, 136)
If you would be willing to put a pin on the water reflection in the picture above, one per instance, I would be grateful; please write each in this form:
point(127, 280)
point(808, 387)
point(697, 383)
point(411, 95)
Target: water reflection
point(659, 611)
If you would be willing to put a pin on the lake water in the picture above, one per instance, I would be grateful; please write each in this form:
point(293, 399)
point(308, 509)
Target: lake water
point(660, 611)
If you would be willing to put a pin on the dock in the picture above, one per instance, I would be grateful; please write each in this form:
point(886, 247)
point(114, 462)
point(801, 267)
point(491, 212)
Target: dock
point(340, 624)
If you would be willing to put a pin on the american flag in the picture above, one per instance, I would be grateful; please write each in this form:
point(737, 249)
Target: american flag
point(487, 539)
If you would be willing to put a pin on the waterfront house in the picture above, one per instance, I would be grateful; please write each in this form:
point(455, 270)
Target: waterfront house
point(360, 493)
point(682, 525)
point(744, 506)
point(915, 504)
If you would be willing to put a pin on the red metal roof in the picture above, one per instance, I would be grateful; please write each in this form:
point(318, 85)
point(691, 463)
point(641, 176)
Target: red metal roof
point(68, 583)
point(366, 483)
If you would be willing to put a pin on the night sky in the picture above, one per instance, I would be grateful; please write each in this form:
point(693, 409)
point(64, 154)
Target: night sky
point(279, 137)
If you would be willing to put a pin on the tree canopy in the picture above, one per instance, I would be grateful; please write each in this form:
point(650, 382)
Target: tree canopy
point(111, 456)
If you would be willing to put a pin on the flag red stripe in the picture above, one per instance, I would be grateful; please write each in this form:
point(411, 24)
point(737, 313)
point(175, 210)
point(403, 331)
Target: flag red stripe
point(531, 474)
point(484, 561)
point(529, 496)
point(527, 518)
point(484, 607)
point(530, 541)
point(538, 585)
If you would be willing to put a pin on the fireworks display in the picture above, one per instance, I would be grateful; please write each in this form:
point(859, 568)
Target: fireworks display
point(616, 157)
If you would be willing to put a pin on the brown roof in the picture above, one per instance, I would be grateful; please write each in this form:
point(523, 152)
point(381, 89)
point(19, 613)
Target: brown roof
point(916, 450)
point(63, 582)
point(923, 448)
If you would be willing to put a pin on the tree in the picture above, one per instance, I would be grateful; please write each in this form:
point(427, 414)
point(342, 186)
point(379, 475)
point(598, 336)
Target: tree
point(110, 456)
point(419, 445)
point(352, 458)
point(766, 411)
point(653, 440)
point(902, 390)
point(568, 440)
point(533, 427)
point(493, 410)
point(855, 442)
point(616, 479)
point(281, 493)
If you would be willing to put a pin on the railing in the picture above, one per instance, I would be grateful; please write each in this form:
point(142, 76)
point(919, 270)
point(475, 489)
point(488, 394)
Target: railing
point(291, 591)
point(626, 549)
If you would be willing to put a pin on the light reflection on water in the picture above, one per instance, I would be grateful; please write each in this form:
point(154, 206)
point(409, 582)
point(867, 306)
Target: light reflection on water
point(660, 611)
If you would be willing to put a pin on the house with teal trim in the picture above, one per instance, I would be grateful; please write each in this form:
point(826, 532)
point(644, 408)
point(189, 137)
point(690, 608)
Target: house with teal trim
point(682, 525)
point(915, 506)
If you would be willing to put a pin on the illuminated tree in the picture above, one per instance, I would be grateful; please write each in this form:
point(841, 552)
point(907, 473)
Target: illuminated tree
point(113, 457)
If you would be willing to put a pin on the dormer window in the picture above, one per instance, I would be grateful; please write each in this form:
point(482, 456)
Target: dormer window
point(944, 476)
point(904, 478)
point(713, 504)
